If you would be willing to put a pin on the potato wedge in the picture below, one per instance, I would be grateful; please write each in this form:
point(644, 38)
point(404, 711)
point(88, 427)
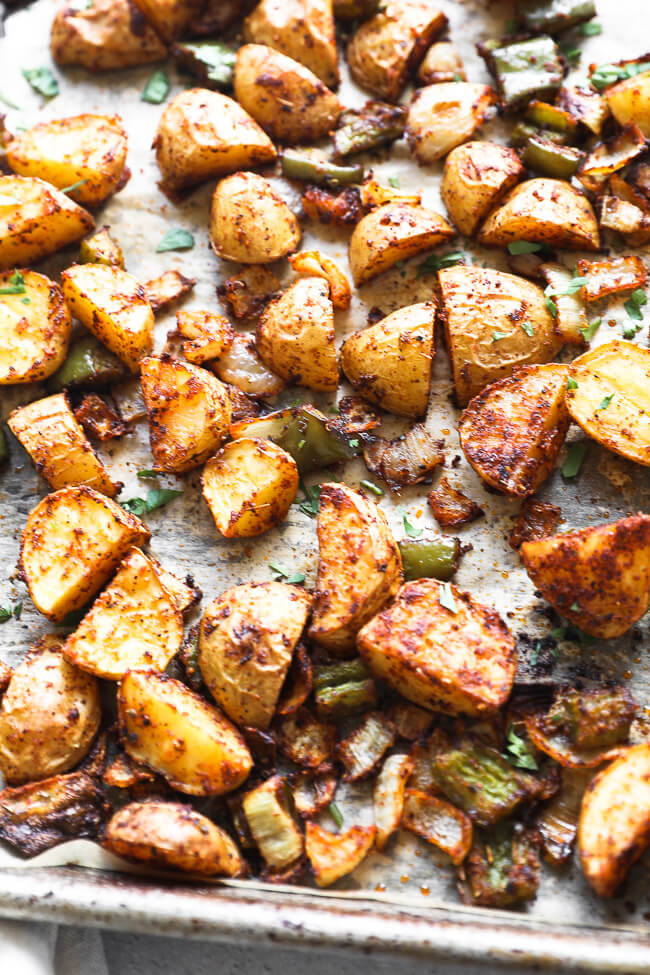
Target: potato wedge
point(249, 487)
point(173, 731)
point(249, 222)
point(629, 101)
point(391, 233)
point(113, 306)
point(58, 446)
point(614, 827)
point(36, 219)
point(108, 34)
point(49, 715)
point(246, 642)
point(359, 567)
point(173, 836)
point(302, 29)
point(314, 263)
point(89, 150)
point(287, 99)
point(295, 335)
point(390, 363)
point(203, 134)
point(333, 855)
point(207, 334)
point(475, 179)
point(458, 661)
point(241, 366)
point(34, 337)
point(511, 433)
point(549, 211)
point(72, 542)
point(441, 116)
point(170, 18)
point(596, 577)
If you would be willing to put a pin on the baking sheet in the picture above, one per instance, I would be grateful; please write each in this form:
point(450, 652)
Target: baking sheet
point(184, 539)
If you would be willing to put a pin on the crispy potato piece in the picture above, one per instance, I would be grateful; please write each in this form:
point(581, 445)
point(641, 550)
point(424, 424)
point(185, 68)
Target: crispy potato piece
point(57, 444)
point(49, 715)
point(172, 835)
point(442, 62)
point(185, 594)
point(287, 99)
point(441, 116)
point(72, 542)
point(626, 218)
point(388, 796)
point(170, 18)
point(271, 824)
point(313, 263)
point(629, 101)
point(99, 418)
point(301, 29)
point(439, 823)
point(359, 567)
point(390, 362)
point(36, 219)
point(246, 642)
point(175, 732)
point(241, 366)
point(34, 337)
point(167, 288)
point(249, 487)
point(391, 233)
point(597, 577)
point(306, 740)
point(512, 432)
point(107, 35)
point(85, 149)
point(298, 684)
point(384, 49)
point(458, 662)
point(611, 276)
point(113, 306)
point(208, 335)
point(333, 855)
point(485, 312)
point(101, 249)
point(248, 292)
point(537, 519)
point(475, 179)
point(362, 750)
point(614, 827)
point(451, 507)
point(249, 222)
point(549, 211)
point(295, 335)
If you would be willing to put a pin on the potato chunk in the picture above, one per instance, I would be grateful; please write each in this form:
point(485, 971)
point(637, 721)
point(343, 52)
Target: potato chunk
point(476, 177)
point(489, 317)
point(173, 731)
point(249, 222)
point(441, 116)
point(56, 442)
point(34, 337)
point(302, 29)
point(49, 715)
point(249, 487)
point(36, 219)
point(597, 577)
point(113, 306)
point(549, 211)
point(511, 433)
point(203, 134)
point(246, 642)
point(295, 335)
point(170, 18)
point(390, 362)
point(459, 660)
point(133, 623)
point(333, 855)
point(359, 567)
point(207, 334)
point(106, 35)
point(629, 101)
point(85, 149)
point(391, 233)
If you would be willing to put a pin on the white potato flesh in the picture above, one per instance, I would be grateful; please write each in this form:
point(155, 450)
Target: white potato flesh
point(34, 337)
point(629, 101)
point(441, 116)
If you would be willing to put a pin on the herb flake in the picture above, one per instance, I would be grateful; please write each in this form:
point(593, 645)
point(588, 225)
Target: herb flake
point(590, 330)
point(518, 751)
point(336, 814)
point(157, 88)
point(310, 503)
point(497, 336)
point(16, 285)
point(411, 530)
point(281, 572)
point(446, 598)
point(634, 304)
point(435, 262)
point(573, 463)
point(528, 329)
point(373, 488)
point(176, 240)
point(42, 80)
point(74, 186)
point(605, 401)
point(156, 498)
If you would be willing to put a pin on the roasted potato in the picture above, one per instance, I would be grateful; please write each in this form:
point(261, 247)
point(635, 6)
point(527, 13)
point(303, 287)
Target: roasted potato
point(88, 150)
point(287, 99)
point(614, 827)
point(167, 288)
point(333, 855)
point(112, 305)
point(241, 366)
point(101, 249)
point(36, 219)
point(249, 222)
point(511, 433)
point(173, 836)
point(451, 507)
point(49, 715)
point(475, 179)
point(295, 335)
point(359, 567)
point(207, 334)
point(441, 649)
point(106, 35)
point(549, 211)
point(314, 263)
point(272, 825)
point(175, 732)
point(441, 116)
point(611, 276)
point(303, 30)
point(56, 442)
point(248, 292)
point(597, 577)
point(170, 18)
point(493, 322)
point(386, 48)
point(390, 363)
point(249, 487)
point(391, 233)
point(34, 337)
point(72, 542)
point(629, 101)
point(442, 62)
point(246, 642)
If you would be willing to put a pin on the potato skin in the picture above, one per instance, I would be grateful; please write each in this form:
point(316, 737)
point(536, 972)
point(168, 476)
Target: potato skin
point(169, 18)
point(43, 221)
point(110, 34)
point(301, 29)
point(441, 116)
point(475, 179)
point(171, 835)
point(34, 338)
point(249, 222)
point(629, 101)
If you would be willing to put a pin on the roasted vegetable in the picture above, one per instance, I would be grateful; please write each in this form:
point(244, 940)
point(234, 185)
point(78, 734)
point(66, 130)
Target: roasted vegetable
point(208, 335)
point(168, 287)
point(476, 177)
point(611, 276)
point(537, 519)
point(88, 364)
point(625, 218)
point(312, 792)
point(411, 722)
point(551, 117)
point(37, 221)
point(451, 507)
point(106, 35)
point(333, 855)
point(629, 101)
point(439, 823)
point(502, 868)
point(303, 31)
point(339, 209)
point(211, 62)
point(314, 167)
point(376, 124)
point(409, 459)
point(343, 698)
point(388, 797)
point(557, 823)
point(249, 291)
point(587, 107)
point(271, 824)
point(523, 69)
point(241, 366)
point(442, 62)
point(316, 264)
point(423, 755)
point(610, 156)
point(429, 557)
point(101, 249)
point(555, 16)
point(441, 116)
point(363, 748)
point(550, 159)
point(249, 222)
point(306, 740)
point(563, 292)
point(34, 327)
